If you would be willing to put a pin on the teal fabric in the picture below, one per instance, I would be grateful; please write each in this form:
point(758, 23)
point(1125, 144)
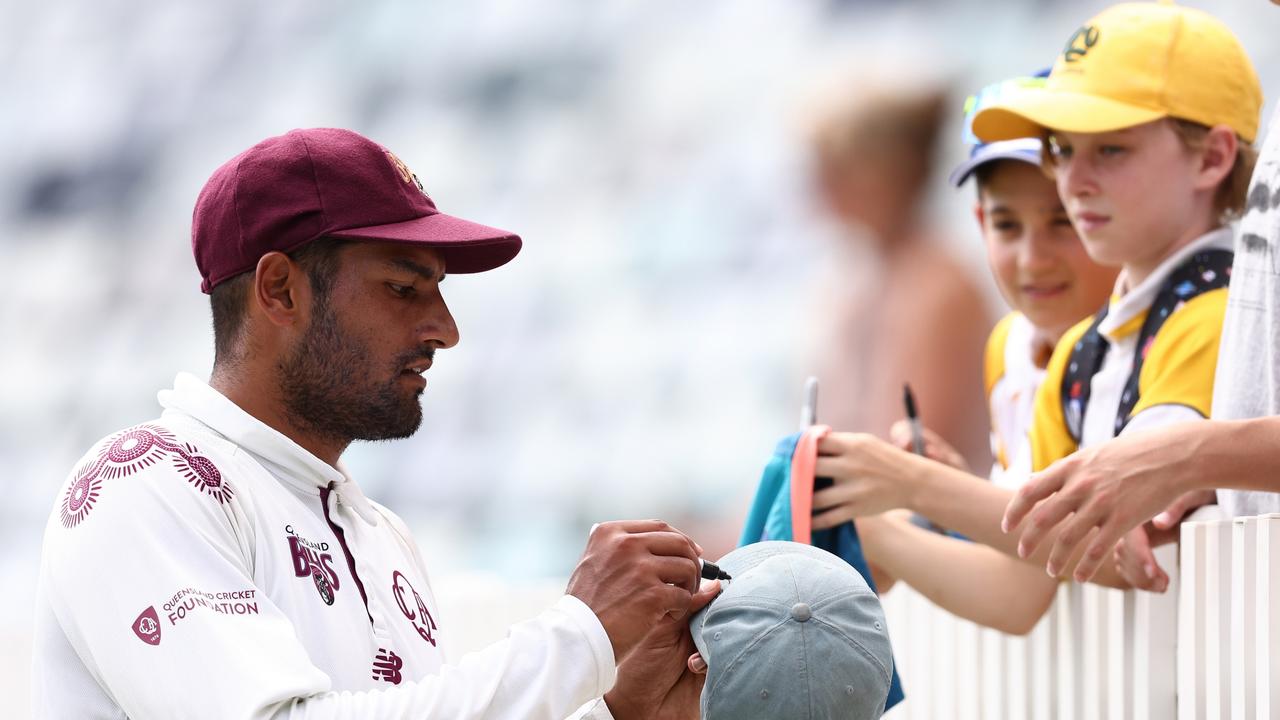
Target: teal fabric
point(770, 514)
point(770, 519)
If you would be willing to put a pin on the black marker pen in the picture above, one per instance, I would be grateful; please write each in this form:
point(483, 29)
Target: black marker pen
point(711, 571)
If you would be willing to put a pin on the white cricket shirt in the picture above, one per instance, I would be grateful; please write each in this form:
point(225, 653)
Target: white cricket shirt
point(203, 565)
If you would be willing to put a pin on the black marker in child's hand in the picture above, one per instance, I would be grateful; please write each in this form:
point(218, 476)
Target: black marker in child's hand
point(917, 433)
point(711, 571)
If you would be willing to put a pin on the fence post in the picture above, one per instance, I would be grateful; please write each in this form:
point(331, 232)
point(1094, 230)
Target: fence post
point(1217, 619)
point(1268, 616)
point(1191, 623)
point(1244, 538)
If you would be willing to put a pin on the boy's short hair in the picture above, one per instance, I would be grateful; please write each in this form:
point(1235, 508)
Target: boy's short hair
point(1233, 192)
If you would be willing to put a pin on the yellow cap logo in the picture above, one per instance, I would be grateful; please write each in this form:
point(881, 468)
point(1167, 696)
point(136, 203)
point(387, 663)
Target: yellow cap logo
point(1080, 43)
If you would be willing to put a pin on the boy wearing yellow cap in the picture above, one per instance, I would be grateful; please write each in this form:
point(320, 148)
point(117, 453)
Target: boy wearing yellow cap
point(1148, 198)
point(1147, 118)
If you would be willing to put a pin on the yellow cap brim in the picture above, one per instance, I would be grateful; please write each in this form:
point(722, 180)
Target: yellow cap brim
point(1032, 111)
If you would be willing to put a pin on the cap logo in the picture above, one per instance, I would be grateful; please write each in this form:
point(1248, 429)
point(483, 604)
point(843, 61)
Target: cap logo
point(405, 173)
point(1080, 43)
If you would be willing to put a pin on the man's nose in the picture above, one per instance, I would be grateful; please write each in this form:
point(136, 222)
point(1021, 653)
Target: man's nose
point(440, 329)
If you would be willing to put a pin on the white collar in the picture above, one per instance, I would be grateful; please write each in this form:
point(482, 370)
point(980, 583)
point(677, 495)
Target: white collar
point(1124, 308)
point(285, 458)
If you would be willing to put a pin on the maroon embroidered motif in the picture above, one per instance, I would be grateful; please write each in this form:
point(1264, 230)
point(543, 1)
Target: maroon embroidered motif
point(386, 666)
point(81, 496)
point(418, 613)
point(128, 452)
point(201, 472)
point(147, 626)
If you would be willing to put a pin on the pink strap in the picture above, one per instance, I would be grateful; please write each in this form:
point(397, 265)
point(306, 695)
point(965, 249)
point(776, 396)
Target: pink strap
point(803, 463)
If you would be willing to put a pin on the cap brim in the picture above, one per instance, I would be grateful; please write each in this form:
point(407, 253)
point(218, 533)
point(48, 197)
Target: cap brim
point(465, 246)
point(1032, 111)
point(1024, 150)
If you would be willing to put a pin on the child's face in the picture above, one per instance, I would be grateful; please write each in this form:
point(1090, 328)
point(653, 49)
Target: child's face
point(1039, 264)
point(1130, 193)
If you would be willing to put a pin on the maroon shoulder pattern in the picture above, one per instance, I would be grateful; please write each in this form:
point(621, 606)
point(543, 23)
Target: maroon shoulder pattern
point(129, 451)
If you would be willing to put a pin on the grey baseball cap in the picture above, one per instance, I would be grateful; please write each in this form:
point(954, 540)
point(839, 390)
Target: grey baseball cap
point(796, 634)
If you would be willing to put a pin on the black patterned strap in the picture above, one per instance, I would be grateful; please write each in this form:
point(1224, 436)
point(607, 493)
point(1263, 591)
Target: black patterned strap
point(1200, 273)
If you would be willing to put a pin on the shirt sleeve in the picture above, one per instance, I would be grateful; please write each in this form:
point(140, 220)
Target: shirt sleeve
point(112, 569)
point(1183, 358)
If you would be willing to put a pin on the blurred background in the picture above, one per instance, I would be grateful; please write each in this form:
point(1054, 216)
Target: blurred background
point(686, 262)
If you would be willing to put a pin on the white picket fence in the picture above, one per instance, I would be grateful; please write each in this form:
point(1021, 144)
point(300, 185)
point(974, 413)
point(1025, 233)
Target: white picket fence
point(1208, 649)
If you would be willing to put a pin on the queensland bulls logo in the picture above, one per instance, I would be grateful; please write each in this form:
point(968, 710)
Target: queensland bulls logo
point(313, 560)
point(413, 607)
point(147, 626)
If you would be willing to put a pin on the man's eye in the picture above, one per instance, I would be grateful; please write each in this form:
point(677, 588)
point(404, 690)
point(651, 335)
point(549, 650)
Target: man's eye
point(1005, 226)
point(403, 291)
point(1110, 150)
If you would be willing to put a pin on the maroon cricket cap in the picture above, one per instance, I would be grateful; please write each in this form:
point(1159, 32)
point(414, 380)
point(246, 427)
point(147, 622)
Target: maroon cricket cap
point(291, 189)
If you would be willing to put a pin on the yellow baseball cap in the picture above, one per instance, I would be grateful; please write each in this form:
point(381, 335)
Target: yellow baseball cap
point(1131, 64)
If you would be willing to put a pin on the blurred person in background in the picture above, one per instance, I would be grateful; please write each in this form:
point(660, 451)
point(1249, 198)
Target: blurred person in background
point(913, 313)
point(220, 562)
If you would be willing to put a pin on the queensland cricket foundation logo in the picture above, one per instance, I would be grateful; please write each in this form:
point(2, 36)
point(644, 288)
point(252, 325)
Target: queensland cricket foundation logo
point(387, 665)
point(128, 452)
point(313, 560)
point(413, 607)
point(147, 626)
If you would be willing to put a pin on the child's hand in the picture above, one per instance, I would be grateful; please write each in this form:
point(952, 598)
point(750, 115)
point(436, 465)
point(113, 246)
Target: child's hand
point(935, 448)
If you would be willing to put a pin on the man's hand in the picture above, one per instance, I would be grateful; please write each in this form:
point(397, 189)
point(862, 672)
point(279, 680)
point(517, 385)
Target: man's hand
point(633, 575)
point(871, 476)
point(662, 678)
point(935, 448)
point(1101, 493)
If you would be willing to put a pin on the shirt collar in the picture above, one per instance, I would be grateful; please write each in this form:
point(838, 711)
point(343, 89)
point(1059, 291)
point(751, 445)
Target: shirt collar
point(1126, 313)
point(284, 458)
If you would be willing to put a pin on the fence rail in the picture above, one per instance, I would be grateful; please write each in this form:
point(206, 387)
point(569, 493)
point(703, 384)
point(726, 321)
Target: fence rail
point(1208, 649)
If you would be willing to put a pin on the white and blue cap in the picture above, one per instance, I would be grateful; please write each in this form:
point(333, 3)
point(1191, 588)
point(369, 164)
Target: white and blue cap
point(796, 634)
point(1023, 149)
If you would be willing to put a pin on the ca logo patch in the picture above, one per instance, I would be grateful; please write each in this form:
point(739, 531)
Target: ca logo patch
point(414, 609)
point(147, 626)
point(1080, 43)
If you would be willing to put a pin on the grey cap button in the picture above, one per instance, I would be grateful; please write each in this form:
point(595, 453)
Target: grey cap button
point(801, 612)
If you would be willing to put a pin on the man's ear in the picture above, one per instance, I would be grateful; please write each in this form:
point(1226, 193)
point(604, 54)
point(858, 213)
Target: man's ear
point(1217, 156)
point(980, 215)
point(281, 290)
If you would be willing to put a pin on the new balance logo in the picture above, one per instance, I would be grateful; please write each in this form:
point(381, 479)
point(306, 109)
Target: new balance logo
point(386, 666)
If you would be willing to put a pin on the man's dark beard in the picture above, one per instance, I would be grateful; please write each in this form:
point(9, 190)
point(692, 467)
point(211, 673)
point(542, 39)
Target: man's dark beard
point(331, 389)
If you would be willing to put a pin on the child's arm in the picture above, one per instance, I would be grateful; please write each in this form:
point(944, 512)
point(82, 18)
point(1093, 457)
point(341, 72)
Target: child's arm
point(872, 476)
point(970, 580)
